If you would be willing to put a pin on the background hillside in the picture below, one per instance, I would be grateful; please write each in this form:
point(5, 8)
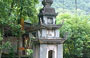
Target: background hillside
point(82, 5)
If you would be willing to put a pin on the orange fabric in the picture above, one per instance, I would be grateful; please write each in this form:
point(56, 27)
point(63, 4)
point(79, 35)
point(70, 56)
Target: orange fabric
point(21, 48)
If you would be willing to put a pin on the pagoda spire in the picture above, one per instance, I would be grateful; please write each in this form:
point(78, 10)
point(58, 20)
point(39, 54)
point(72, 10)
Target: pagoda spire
point(47, 2)
point(47, 10)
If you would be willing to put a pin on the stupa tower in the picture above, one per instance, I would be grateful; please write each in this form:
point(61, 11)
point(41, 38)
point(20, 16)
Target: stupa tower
point(48, 41)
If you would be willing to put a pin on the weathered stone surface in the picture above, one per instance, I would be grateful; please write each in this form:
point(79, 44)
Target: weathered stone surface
point(32, 28)
point(49, 41)
point(47, 10)
point(47, 2)
point(60, 51)
point(43, 50)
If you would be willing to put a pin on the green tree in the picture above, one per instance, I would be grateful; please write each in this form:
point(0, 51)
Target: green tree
point(78, 28)
point(12, 12)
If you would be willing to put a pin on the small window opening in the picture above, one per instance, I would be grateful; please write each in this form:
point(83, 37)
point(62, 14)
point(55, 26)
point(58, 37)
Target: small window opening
point(51, 54)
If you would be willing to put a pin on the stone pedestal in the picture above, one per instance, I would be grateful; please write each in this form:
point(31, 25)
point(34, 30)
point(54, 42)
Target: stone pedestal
point(43, 50)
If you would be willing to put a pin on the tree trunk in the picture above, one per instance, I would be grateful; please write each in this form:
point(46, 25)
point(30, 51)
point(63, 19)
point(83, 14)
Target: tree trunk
point(0, 53)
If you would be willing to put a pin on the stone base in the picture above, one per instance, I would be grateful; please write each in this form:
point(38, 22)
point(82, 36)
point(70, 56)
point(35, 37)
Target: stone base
point(42, 50)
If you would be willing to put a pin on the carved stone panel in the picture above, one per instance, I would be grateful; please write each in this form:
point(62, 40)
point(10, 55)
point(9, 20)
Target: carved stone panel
point(50, 20)
point(50, 33)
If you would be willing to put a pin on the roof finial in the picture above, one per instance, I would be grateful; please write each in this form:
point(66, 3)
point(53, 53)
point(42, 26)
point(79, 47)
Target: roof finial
point(47, 2)
point(47, 10)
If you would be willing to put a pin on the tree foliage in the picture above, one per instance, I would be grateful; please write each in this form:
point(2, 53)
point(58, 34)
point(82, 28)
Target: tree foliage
point(12, 11)
point(78, 28)
point(69, 5)
point(11, 14)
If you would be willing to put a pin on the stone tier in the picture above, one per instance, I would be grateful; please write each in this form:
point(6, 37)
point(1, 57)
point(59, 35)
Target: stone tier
point(47, 11)
point(49, 41)
point(51, 26)
point(31, 28)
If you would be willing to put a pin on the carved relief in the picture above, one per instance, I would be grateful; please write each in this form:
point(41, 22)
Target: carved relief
point(50, 33)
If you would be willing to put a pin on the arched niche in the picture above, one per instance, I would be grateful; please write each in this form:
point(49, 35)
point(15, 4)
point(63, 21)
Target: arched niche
point(51, 54)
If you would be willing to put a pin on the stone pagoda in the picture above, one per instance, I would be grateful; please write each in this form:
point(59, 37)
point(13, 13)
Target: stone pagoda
point(47, 35)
